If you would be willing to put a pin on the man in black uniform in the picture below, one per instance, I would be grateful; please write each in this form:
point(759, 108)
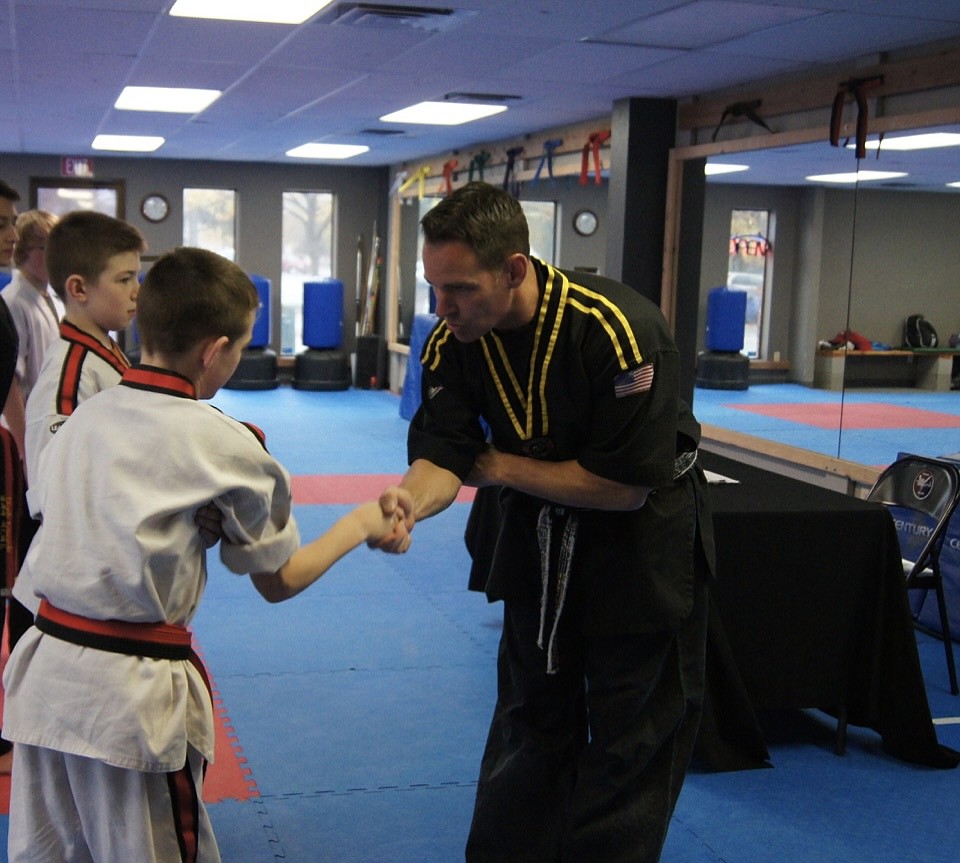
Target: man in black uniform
point(600, 545)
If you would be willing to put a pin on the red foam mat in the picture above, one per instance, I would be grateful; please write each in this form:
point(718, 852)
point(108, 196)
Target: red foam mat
point(868, 415)
point(350, 488)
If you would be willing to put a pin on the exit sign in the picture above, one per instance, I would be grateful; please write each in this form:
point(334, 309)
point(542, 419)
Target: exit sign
point(76, 166)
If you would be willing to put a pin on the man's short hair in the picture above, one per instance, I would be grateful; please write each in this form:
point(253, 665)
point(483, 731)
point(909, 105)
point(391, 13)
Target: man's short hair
point(485, 217)
point(33, 228)
point(189, 295)
point(83, 242)
point(9, 192)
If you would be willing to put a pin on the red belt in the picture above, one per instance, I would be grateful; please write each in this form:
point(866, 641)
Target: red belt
point(154, 640)
point(594, 142)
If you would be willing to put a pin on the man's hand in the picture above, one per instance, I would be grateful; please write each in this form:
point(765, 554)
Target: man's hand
point(484, 468)
point(209, 521)
point(397, 501)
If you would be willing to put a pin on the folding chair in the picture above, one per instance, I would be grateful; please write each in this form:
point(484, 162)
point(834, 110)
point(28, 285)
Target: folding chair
point(928, 487)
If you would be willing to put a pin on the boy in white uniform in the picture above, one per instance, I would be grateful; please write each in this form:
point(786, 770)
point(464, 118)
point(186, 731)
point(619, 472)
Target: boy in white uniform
point(94, 263)
point(35, 309)
point(102, 696)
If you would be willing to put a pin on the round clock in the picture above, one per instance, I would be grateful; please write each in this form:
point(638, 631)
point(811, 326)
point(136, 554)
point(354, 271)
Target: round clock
point(585, 223)
point(154, 208)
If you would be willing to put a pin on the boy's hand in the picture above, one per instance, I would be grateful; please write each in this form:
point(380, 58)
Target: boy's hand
point(209, 521)
point(396, 503)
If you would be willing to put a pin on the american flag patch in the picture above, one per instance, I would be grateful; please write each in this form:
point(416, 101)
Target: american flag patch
point(633, 381)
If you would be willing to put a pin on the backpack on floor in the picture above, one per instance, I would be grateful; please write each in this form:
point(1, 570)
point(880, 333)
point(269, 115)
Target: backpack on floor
point(918, 332)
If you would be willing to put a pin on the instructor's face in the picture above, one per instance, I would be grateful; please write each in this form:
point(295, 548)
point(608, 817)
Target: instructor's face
point(472, 300)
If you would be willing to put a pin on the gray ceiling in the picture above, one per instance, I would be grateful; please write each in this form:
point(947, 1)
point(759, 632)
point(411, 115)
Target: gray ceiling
point(65, 62)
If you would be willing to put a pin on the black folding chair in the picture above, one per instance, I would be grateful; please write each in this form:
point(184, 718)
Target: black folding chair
point(929, 488)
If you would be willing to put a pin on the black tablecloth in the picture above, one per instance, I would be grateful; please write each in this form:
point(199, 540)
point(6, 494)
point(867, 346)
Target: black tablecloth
point(809, 610)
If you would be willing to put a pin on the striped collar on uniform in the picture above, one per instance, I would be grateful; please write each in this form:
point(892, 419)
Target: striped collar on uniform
point(113, 355)
point(142, 377)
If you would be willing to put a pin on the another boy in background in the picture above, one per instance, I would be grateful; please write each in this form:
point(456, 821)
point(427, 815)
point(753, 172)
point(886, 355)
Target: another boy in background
point(35, 309)
point(104, 698)
point(12, 403)
point(94, 266)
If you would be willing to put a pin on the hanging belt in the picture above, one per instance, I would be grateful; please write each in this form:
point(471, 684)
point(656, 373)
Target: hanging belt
point(509, 184)
point(594, 142)
point(419, 176)
point(479, 162)
point(859, 87)
point(448, 167)
point(546, 159)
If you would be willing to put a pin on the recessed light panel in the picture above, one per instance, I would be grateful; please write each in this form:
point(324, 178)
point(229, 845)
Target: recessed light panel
point(327, 151)
point(711, 169)
point(923, 141)
point(443, 113)
point(273, 12)
point(856, 177)
point(128, 143)
point(171, 100)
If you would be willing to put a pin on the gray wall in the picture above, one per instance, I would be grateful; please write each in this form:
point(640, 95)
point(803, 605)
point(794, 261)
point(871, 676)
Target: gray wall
point(841, 259)
point(361, 200)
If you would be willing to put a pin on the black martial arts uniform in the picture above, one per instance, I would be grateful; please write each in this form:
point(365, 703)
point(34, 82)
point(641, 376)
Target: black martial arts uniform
point(600, 670)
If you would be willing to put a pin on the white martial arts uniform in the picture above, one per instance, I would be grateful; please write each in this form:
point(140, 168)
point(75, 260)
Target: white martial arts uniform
point(117, 489)
point(37, 316)
point(76, 367)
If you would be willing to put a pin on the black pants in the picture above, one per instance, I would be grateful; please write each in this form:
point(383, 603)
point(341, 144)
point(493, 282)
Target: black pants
point(585, 766)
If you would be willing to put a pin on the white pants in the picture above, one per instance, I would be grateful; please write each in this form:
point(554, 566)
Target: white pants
point(70, 809)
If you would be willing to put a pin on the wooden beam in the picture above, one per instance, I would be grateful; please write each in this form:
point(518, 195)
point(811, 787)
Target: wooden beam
point(915, 75)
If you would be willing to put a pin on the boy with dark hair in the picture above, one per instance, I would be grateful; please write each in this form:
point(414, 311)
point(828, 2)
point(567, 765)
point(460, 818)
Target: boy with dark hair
point(93, 261)
point(104, 697)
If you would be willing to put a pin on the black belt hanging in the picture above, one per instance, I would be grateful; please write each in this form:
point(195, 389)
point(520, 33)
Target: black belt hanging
point(509, 183)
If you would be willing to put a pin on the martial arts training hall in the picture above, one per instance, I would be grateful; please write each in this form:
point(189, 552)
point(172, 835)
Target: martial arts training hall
point(742, 162)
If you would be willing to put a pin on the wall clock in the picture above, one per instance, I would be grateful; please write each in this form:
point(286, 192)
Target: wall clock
point(585, 223)
point(154, 207)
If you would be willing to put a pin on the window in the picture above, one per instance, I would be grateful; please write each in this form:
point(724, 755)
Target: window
point(209, 220)
point(307, 255)
point(747, 270)
point(60, 196)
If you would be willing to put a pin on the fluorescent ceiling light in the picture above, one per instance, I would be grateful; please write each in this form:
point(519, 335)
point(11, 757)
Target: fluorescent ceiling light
point(172, 100)
point(443, 113)
point(128, 143)
point(954, 185)
point(272, 12)
point(924, 141)
point(713, 168)
point(327, 151)
point(856, 177)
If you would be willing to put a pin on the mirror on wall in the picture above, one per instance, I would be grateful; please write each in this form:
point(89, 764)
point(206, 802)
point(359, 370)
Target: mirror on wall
point(849, 256)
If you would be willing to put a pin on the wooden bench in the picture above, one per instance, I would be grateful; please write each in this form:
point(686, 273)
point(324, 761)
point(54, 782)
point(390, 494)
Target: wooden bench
point(926, 368)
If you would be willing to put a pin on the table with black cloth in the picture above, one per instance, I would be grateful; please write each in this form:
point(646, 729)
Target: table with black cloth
point(809, 611)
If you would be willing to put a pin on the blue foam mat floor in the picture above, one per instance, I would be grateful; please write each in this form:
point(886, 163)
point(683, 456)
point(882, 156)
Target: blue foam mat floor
point(361, 706)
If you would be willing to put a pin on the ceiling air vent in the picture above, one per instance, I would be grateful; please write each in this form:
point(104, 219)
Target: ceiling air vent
point(383, 132)
point(480, 97)
point(385, 15)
